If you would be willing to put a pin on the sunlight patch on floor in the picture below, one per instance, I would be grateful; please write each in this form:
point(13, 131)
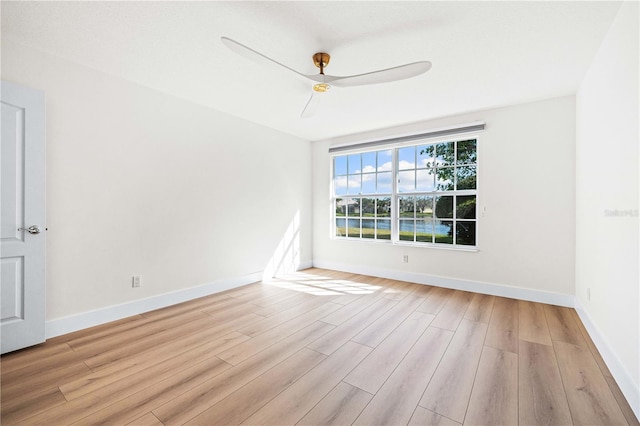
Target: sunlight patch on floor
point(322, 286)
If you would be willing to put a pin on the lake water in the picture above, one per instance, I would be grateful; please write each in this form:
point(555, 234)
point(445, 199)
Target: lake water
point(422, 226)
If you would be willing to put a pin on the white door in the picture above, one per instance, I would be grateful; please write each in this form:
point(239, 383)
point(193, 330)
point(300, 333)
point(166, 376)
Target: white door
point(22, 218)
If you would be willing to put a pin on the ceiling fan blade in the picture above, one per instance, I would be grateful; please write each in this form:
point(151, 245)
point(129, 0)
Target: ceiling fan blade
point(383, 76)
point(256, 56)
point(312, 105)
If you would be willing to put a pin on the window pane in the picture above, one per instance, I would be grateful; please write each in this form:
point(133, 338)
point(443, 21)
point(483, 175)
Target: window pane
point(340, 185)
point(368, 207)
point(353, 206)
point(444, 179)
point(424, 206)
point(425, 156)
point(384, 161)
point(444, 232)
point(466, 177)
point(340, 227)
point(368, 228)
point(354, 186)
point(383, 207)
point(407, 207)
point(369, 183)
point(424, 230)
point(444, 206)
point(407, 230)
point(383, 229)
point(466, 207)
point(425, 180)
point(341, 207)
point(444, 154)
point(466, 152)
point(466, 233)
point(340, 165)
point(355, 165)
point(354, 228)
point(384, 182)
point(407, 181)
point(368, 162)
point(407, 158)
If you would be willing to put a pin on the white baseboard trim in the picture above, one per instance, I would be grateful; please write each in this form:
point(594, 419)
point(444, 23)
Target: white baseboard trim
point(629, 388)
point(528, 294)
point(60, 326)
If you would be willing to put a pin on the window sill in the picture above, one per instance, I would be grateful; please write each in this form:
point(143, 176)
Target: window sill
point(471, 249)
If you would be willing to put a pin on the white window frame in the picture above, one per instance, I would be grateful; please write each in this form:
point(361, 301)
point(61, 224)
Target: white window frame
point(395, 195)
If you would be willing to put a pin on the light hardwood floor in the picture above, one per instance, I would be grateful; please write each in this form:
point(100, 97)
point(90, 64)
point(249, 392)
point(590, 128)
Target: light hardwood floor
point(321, 347)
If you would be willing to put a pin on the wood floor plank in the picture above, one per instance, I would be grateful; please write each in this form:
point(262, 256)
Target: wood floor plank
point(532, 323)
point(541, 396)
point(374, 370)
point(480, 308)
point(435, 301)
point(396, 401)
point(589, 396)
point(424, 417)
point(341, 406)
point(287, 314)
point(452, 312)
point(358, 289)
point(31, 356)
point(449, 389)
point(503, 326)
point(199, 304)
point(100, 330)
point(245, 350)
point(94, 345)
point(242, 403)
point(30, 404)
point(344, 332)
point(126, 410)
point(149, 368)
point(21, 382)
point(592, 347)
point(494, 398)
point(627, 411)
point(219, 336)
point(352, 309)
point(122, 397)
point(198, 399)
point(147, 420)
point(121, 351)
point(288, 408)
point(379, 329)
point(562, 325)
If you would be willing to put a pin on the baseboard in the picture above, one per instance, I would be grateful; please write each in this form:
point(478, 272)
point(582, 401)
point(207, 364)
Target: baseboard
point(625, 381)
point(528, 294)
point(88, 319)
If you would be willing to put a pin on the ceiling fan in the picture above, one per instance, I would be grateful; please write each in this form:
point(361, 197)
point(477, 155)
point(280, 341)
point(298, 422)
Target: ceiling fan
point(323, 82)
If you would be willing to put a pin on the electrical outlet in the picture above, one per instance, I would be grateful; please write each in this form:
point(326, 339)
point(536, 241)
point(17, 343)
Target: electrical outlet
point(405, 258)
point(136, 281)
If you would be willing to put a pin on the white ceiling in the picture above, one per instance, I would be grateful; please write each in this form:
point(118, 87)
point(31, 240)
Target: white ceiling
point(484, 54)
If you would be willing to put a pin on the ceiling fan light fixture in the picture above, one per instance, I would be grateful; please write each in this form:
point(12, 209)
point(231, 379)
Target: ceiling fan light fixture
point(321, 87)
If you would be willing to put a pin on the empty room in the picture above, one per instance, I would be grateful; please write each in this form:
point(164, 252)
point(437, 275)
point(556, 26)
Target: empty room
point(320, 213)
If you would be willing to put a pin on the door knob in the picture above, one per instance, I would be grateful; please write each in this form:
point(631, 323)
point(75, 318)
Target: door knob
point(33, 229)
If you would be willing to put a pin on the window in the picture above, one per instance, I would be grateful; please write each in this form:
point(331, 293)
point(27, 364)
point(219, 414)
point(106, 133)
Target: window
point(421, 194)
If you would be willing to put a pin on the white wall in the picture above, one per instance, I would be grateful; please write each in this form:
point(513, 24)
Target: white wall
point(526, 182)
point(606, 181)
point(143, 183)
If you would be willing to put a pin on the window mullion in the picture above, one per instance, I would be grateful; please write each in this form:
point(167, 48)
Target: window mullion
point(395, 224)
